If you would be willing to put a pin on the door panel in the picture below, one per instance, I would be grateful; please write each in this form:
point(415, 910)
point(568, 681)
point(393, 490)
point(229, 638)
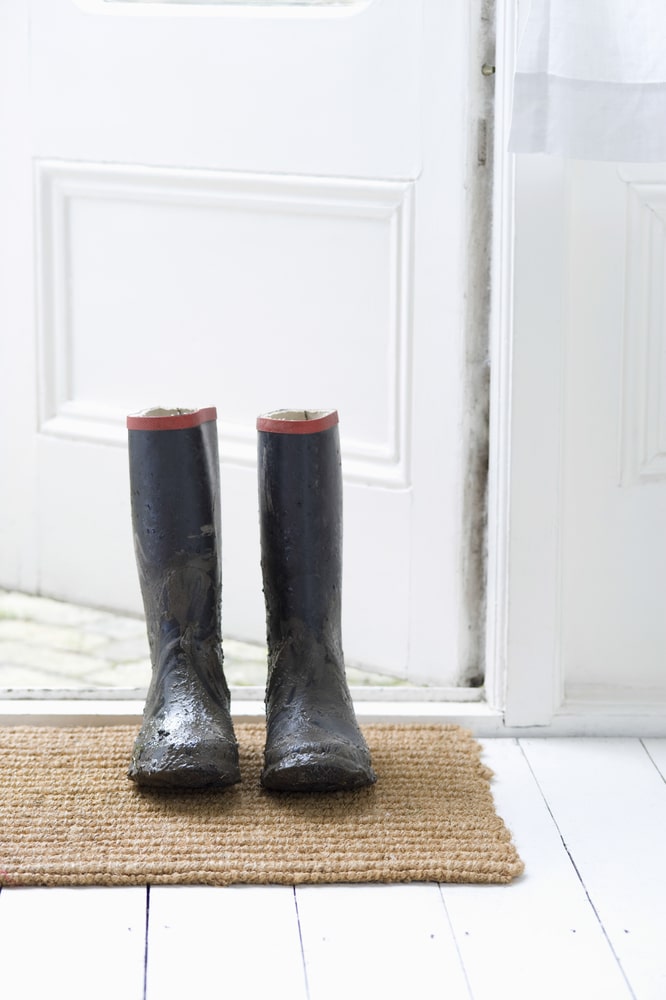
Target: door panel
point(614, 573)
point(310, 94)
point(587, 632)
point(254, 210)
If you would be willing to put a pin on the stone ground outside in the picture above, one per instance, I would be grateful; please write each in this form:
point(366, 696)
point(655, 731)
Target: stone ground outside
point(48, 646)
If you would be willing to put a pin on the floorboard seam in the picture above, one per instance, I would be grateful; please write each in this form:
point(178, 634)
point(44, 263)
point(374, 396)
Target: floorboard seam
point(145, 945)
point(455, 942)
point(300, 938)
point(653, 762)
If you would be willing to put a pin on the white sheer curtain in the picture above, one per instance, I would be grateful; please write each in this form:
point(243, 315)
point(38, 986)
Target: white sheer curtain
point(591, 80)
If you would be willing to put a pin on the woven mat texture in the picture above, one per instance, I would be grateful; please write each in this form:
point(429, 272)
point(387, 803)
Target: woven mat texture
point(69, 816)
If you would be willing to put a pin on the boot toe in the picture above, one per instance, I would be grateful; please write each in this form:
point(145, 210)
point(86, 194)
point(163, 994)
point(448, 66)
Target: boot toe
point(183, 771)
point(318, 768)
point(163, 760)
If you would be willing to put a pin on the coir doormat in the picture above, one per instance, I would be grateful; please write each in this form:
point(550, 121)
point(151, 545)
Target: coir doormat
point(70, 816)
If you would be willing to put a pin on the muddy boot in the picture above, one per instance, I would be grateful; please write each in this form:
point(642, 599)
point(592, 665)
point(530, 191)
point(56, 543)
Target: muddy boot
point(187, 738)
point(313, 742)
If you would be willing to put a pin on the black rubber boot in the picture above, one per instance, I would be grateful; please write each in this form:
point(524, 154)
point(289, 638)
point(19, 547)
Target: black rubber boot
point(187, 737)
point(313, 742)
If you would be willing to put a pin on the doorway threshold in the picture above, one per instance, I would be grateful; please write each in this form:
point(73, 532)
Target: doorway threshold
point(476, 716)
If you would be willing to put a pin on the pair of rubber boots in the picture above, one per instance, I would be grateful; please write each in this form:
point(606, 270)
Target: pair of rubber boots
point(313, 742)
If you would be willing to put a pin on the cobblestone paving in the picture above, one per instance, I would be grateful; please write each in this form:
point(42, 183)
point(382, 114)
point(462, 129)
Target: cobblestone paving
point(49, 645)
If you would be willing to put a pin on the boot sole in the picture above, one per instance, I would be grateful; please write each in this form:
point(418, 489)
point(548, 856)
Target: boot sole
point(181, 779)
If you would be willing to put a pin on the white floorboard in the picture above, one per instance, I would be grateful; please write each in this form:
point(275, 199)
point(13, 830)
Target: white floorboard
point(382, 941)
point(227, 943)
point(74, 943)
point(609, 803)
point(587, 920)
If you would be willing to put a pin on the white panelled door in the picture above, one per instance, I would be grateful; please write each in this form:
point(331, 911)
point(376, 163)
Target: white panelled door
point(587, 630)
point(614, 477)
point(254, 207)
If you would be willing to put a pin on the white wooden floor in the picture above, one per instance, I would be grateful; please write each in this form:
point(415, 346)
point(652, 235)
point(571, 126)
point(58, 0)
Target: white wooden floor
point(588, 918)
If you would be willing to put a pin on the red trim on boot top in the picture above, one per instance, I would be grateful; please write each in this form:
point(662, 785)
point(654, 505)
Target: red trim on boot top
point(297, 421)
point(158, 419)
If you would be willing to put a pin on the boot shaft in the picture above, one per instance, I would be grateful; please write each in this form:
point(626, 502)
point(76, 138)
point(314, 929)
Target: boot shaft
point(174, 485)
point(300, 501)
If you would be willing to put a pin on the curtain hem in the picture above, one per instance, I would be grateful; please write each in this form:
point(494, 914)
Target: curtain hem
point(588, 120)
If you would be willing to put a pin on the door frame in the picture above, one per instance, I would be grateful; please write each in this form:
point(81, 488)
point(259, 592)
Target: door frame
point(524, 677)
